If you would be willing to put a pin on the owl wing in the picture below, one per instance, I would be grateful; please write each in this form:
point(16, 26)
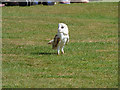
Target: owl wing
point(55, 42)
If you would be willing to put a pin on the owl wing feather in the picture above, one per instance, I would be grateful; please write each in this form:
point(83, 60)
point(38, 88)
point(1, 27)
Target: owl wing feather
point(55, 42)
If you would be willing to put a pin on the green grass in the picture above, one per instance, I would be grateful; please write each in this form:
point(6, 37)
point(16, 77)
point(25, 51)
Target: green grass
point(90, 59)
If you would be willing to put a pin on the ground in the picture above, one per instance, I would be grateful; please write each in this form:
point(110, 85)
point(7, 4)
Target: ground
point(91, 56)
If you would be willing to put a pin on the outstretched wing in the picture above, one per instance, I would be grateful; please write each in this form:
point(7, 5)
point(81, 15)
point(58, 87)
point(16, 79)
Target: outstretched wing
point(55, 42)
point(51, 41)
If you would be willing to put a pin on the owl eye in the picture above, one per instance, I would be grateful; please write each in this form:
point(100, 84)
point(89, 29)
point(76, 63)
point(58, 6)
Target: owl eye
point(62, 27)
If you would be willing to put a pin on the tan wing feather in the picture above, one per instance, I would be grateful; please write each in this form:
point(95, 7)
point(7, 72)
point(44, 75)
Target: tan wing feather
point(55, 42)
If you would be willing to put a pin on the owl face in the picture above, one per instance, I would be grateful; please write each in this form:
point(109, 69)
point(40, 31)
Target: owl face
point(62, 28)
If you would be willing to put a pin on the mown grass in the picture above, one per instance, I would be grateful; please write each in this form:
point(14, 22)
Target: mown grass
point(90, 59)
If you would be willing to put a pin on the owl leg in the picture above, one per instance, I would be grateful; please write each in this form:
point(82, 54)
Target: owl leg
point(62, 50)
point(58, 50)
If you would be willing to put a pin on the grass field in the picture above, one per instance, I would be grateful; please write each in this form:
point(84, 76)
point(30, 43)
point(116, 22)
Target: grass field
point(91, 56)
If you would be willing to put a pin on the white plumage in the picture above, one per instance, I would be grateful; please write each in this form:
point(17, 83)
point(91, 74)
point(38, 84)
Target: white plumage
point(61, 38)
